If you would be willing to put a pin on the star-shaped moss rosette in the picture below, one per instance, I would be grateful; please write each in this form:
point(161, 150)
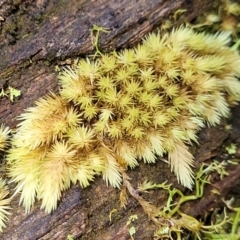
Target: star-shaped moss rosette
point(121, 108)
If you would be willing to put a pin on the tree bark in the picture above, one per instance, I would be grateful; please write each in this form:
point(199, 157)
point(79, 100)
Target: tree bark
point(37, 36)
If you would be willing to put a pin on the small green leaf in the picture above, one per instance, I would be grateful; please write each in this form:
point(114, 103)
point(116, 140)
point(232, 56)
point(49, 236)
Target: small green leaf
point(69, 237)
point(132, 230)
point(13, 93)
point(2, 93)
point(231, 149)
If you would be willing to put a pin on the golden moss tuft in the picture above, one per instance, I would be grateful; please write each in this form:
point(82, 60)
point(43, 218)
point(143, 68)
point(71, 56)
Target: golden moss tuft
point(4, 132)
point(4, 204)
point(123, 107)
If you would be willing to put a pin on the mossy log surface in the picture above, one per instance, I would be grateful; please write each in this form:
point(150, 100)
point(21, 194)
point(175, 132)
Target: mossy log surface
point(37, 36)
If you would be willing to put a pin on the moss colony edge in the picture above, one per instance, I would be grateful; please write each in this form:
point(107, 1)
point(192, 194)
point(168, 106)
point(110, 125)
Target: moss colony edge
point(120, 108)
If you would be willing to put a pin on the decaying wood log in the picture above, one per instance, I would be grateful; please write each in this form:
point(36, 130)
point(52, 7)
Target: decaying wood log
point(60, 30)
point(37, 36)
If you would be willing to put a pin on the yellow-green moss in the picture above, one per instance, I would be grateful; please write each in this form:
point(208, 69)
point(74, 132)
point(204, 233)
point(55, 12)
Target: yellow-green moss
point(123, 107)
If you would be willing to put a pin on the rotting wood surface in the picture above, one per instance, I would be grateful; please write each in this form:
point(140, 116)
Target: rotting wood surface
point(37, 36)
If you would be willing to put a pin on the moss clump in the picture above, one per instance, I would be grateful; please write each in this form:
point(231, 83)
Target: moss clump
point(124, 107)
point(4, 201)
